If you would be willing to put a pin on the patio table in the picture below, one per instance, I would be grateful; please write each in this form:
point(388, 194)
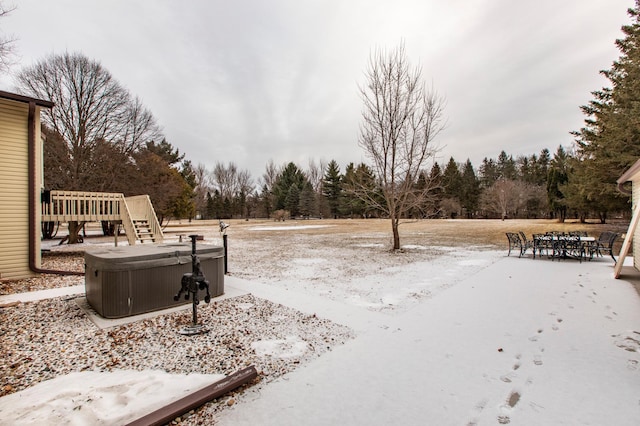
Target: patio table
point(563, 246)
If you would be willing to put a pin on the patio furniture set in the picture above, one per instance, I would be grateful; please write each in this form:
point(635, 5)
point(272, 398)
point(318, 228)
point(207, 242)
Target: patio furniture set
point(559, 245)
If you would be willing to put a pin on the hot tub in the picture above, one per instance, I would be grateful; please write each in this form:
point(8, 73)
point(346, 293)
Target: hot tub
point(131, 280)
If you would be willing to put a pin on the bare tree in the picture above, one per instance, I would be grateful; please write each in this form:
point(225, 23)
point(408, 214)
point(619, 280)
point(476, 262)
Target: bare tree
point(7, 43)
point(270, 175)
point(91, 109)
point(224, 179)
point(401, 119)
point(203, 187)
point(315, 173)
point(266, 184)
point(138, 126)
point(91, 106)
point(505, 197)
point(244, 185)
point(233, 184)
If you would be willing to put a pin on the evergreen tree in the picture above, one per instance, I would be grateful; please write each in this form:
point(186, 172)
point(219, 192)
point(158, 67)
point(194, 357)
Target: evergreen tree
point(469, 189)
point(307, 204)
point(165, 151)
point(435, 176)
point(332, 187)
point(218, 207)
point(609, 143)
point(557, 177)
point(506, 167)
point(292, 200)
point(488, 173)
point(290, 176)
point(265, 197)
point(183, 206)
point(360, 178)
point(421, 209)
point(525, 166)
point(210, 207)
point(541, 167)
point(452, 180)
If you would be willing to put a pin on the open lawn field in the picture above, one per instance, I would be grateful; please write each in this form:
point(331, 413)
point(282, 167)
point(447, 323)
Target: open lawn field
point(435, 232)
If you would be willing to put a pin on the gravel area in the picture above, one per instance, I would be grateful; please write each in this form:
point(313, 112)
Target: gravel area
point(55, 260)
point(45, 339)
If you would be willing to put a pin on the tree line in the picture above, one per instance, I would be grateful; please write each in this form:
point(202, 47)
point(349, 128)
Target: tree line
point(532, 186)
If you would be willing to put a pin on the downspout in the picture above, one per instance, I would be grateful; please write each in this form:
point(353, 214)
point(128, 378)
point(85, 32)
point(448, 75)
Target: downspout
point(31, 139)
point(624, 190)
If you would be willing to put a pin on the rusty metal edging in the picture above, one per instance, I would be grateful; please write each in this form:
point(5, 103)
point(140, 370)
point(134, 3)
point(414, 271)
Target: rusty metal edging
point(169, 412)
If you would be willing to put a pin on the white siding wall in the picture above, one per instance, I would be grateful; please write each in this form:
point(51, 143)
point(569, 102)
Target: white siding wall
point(14, 208)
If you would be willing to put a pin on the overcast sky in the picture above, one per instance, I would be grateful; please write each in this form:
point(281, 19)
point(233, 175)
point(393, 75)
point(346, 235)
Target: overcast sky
point(253, 81)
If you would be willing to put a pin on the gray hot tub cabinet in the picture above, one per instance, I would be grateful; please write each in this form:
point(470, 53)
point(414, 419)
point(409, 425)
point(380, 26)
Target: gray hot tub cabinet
point(125, 281)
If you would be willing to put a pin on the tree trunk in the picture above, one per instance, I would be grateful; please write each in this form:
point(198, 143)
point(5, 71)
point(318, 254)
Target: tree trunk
point(74, 232)
point(562, 214)
point(603, 217)
point(396, 233)
point(108, 228)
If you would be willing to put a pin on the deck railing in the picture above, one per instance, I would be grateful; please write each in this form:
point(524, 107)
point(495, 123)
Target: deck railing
point(64, 206)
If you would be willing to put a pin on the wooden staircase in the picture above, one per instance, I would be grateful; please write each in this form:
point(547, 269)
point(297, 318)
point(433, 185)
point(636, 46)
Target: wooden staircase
point(140, 221)
point(144, 234)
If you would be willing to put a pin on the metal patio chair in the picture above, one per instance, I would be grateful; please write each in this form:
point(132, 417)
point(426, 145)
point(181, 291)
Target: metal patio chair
point(542, 243)
point(604, 244)
point(515, 243)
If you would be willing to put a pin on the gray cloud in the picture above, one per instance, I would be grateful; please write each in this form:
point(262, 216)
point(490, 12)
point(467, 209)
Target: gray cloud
point(251, 81)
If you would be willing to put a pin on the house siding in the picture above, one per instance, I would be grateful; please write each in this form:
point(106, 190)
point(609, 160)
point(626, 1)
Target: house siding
point(14, 187)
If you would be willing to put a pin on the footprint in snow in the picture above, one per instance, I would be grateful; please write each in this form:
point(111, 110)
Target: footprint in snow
point(556, 327)
point(506, 409)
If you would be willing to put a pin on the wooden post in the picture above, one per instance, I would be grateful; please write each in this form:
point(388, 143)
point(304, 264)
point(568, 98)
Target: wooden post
point(627, 241)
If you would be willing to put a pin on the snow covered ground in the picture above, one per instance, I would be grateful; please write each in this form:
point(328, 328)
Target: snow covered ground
point(99, 398)
point(522, 341)
point(443, 336)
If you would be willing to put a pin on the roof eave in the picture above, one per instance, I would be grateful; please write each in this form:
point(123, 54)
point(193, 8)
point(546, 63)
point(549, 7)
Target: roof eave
point(25, 99)
point(630, 173)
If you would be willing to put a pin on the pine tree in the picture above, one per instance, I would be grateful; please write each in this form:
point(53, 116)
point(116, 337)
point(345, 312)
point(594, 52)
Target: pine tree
point(435, 193)
point(210, 209)
point(488, 173)
point(307, 203)
point(332, 187)
point(469, 189)
point(609, 143)
point(558, 176)
point(506, 167)
point(452, 180)
point(292, 201)
point(358, 180)
point(541, 167)
point(291, 176)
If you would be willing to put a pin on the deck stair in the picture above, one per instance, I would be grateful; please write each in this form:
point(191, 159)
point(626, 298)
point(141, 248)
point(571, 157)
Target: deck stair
point(143, 231)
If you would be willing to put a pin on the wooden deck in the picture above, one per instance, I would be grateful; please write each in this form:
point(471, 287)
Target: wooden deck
point(135, 213)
